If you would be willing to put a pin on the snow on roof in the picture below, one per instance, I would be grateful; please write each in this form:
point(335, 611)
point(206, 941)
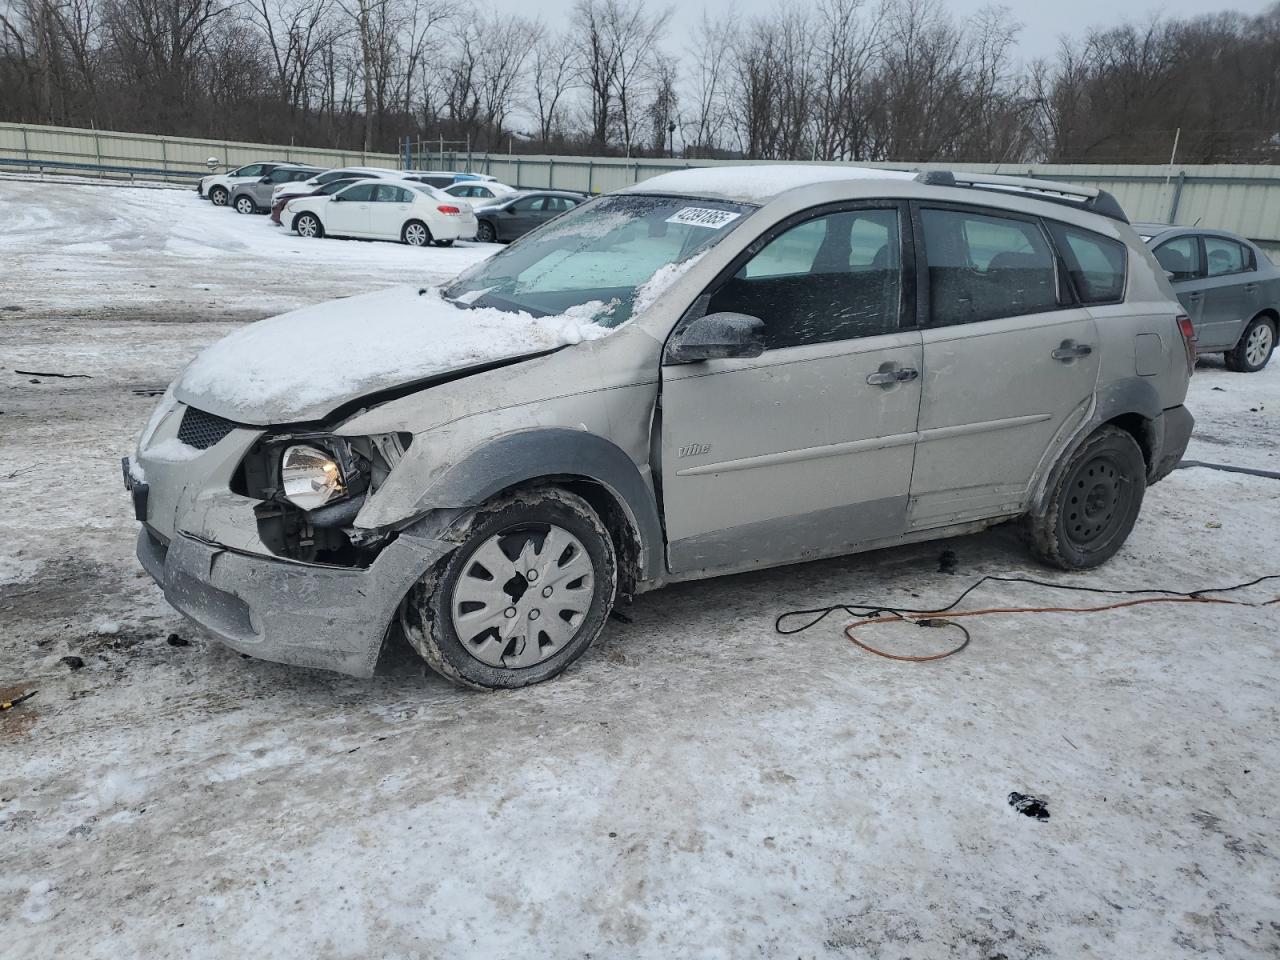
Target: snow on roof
point(757, 182)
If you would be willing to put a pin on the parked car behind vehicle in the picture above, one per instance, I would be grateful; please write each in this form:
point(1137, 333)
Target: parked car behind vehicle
point(217, 187)
point(515, 215)
point(445, 178)
point(480, 194)
point(1228, 286)
point(403, 210)
point(281, 200)
point(712, 371)
point(307, 187)
point(254, 196)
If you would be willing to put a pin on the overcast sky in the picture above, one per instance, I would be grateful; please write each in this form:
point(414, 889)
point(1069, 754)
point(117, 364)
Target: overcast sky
point(1044, 20)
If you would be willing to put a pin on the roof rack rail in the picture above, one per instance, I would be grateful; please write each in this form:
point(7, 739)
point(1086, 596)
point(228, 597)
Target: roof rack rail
point(1069, 194)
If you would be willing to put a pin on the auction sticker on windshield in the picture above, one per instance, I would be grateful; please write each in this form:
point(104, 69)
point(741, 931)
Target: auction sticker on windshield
point(703, 217)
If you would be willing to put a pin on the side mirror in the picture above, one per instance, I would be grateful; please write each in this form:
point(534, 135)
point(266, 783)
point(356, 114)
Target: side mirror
point(336, 197)
point(717, 336)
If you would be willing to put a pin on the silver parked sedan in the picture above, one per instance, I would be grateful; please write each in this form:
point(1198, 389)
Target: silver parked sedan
point(1229, 287)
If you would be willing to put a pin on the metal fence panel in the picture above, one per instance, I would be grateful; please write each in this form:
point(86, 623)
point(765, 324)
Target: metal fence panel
point(1245, 199)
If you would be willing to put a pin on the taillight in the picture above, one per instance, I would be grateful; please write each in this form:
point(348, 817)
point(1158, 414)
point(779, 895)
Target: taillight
point(449, 211)
point(1188, 331)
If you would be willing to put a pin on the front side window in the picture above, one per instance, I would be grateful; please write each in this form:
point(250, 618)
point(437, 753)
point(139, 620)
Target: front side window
point(1223, 257)
point(1096, 263)
point(984, 267)
point(361, 192)
point(1180, 258)
point(603, 251)
point(835, 277)
point(252, 170)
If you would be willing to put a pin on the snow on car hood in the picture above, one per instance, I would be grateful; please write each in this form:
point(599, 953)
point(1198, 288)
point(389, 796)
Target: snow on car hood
point(302, 365)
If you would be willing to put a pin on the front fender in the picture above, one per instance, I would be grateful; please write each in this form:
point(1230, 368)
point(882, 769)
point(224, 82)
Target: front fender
point(536, 453)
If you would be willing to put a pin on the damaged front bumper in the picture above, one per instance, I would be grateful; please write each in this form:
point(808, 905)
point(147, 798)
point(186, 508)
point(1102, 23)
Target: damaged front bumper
point(308, 615)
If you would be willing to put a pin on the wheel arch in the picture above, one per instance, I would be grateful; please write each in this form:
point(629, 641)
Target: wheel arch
point(1132, 405)
point(586, 464)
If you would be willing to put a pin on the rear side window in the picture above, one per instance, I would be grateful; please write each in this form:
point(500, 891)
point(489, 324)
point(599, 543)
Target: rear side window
point(1096, 263)
point(985, 267)
point(1180, 258)
point(1224, 257)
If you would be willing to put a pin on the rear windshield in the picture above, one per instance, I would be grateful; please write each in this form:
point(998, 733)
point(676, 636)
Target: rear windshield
point(604, 251)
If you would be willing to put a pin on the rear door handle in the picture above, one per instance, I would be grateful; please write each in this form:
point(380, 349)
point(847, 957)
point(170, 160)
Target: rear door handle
point(1069, 350)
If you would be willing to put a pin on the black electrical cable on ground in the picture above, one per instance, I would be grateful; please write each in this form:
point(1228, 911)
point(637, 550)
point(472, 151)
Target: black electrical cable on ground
point(870, 614)
point(866, 610)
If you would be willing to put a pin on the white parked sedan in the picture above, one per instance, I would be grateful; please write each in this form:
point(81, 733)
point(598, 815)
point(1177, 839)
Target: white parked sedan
point(403, 210)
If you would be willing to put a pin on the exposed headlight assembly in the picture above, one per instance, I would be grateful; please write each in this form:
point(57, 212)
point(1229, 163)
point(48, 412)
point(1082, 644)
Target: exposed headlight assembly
point(311, 477)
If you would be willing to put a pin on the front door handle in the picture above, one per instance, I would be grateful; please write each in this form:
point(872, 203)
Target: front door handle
point(1070, 350)
point(889, 374)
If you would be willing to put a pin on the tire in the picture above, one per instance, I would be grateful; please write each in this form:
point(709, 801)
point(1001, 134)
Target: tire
point(416, 234)
point(244, 204)
point(443, 243)
point(1094, 503)
point(1254, 348)
point(218, 196)
point(465, 618)
point(308, 225)
point(485, 233)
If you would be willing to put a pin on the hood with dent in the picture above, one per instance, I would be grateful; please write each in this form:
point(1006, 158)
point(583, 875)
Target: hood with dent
point(302, 365)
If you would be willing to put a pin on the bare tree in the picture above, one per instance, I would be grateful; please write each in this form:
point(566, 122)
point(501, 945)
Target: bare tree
point(552, 75)
point(711, 46)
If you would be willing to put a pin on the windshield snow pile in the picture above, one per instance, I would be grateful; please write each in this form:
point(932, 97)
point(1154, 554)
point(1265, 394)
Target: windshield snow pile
point(302, 364)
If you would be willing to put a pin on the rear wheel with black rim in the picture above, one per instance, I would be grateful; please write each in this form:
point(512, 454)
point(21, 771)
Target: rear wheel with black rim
point(485, 232)
point(1253, 350)
point(1094, 503)
point(523, 597)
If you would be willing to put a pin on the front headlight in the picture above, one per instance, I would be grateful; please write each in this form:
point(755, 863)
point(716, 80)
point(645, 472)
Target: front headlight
point(311, 477)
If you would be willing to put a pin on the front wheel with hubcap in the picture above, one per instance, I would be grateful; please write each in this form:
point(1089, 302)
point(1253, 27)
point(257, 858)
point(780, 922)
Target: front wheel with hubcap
point(245, 205)
point(308, 225)
point(218, 196)
point(1253, 350)
point(416, 234)
point(523, 597)
point(1094, 503)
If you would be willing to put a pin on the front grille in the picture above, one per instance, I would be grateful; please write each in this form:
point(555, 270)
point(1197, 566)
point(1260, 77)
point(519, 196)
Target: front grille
point(202, 430)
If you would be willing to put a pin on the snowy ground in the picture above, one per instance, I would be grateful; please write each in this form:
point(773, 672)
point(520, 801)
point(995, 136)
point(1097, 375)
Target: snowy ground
point(696, 786)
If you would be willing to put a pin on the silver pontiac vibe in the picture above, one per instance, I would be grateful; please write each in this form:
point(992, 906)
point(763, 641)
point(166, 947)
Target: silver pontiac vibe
point(714, 371)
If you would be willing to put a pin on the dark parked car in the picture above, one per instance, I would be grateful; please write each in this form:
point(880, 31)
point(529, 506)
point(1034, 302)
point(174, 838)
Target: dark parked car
point(1229, 287)
point(521, 212)
point(324, 190)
